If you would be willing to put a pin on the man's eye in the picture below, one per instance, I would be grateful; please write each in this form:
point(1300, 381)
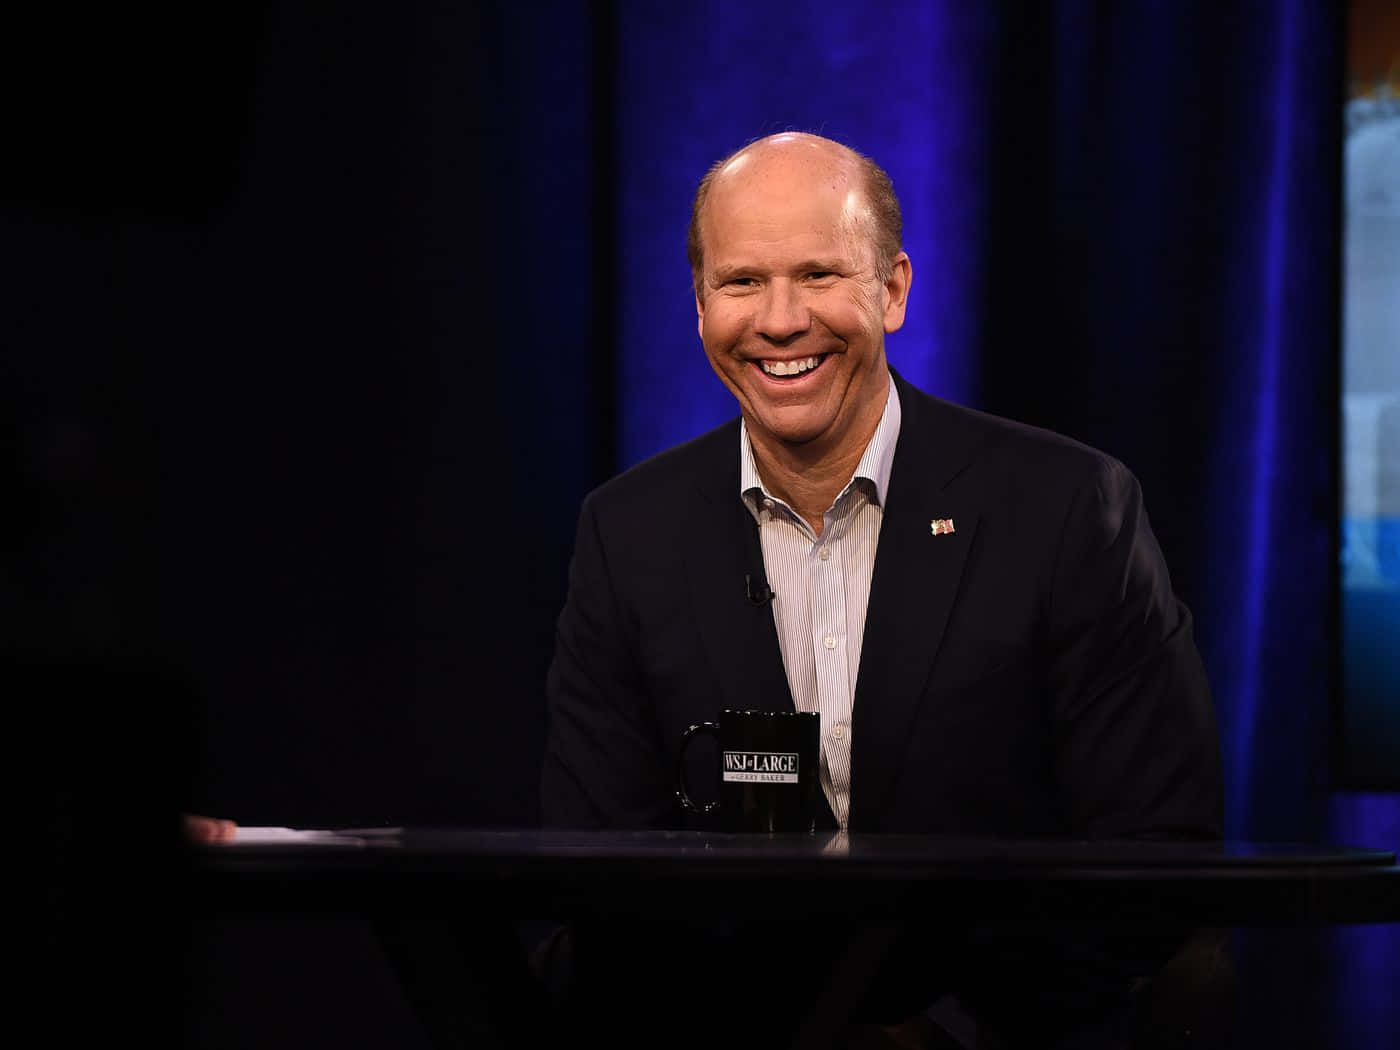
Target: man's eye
point(742, 282)
point(820, 275)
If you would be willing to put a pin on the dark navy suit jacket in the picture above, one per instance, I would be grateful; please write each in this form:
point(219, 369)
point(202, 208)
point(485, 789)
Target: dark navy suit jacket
point(1030, 673)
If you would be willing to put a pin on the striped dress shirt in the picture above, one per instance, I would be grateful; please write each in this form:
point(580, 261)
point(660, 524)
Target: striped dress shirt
point(822, 586)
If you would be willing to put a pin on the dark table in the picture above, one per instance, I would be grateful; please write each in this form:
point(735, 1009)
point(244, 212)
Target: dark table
point(442, 900)
point(434, 871)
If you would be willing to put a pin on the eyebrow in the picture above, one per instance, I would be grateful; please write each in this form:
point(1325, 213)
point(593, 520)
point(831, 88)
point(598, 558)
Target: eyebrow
point(720, 274)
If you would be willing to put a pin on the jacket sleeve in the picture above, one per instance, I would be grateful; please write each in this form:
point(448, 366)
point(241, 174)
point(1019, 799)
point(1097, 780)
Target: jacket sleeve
point(1135, 754)
point(1135, 745)
point(604, 761)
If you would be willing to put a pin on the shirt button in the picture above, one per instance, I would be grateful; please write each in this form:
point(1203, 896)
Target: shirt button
point(768, 503)
point(829, 641)
point(839, 733)
point(824, 553)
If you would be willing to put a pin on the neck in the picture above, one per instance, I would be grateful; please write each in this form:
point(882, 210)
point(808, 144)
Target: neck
point(809, 477)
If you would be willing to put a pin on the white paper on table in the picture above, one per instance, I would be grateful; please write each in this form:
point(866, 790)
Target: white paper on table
point(269, 836)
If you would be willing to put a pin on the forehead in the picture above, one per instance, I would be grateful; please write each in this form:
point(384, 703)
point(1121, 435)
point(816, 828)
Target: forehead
point(765, 204)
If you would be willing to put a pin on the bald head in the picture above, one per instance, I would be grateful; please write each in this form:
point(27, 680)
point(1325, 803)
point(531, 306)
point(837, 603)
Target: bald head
point(874, 208)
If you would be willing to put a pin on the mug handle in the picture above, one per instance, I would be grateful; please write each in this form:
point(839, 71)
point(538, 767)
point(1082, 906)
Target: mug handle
point(682, 795)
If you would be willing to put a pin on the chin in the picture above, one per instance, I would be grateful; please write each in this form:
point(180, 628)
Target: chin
point(795, 432)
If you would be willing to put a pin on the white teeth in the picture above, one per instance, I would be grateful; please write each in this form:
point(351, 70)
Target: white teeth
point(790, 368)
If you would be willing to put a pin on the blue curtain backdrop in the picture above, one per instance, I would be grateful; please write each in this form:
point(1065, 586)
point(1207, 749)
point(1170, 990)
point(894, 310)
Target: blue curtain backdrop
point(321, 326)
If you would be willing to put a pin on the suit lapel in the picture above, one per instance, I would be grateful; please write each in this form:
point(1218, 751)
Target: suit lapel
point(912, 591)
point(739, 637)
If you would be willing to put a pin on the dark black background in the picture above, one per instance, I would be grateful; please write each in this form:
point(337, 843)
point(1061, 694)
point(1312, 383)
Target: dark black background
point(287, 526)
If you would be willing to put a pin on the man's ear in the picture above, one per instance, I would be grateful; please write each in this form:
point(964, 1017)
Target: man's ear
point(699, 315)
point(897, 291)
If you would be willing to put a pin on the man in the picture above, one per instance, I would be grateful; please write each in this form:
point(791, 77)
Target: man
point(978, 609)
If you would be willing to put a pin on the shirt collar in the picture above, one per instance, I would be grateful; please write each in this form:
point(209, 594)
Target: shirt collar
point(874, 466)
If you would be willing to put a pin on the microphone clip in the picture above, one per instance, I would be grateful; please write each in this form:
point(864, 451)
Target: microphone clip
point(761, 594)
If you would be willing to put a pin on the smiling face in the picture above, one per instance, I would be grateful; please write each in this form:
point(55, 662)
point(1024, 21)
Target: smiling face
point(792, 311)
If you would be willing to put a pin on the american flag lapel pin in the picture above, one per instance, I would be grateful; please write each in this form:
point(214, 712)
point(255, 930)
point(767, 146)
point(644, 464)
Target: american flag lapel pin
point(941, 526)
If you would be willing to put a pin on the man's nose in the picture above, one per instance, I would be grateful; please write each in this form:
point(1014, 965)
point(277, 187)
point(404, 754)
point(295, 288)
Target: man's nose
point(782, 313)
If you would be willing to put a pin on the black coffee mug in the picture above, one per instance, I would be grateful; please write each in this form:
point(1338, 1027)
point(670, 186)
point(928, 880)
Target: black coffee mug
point(768, 770)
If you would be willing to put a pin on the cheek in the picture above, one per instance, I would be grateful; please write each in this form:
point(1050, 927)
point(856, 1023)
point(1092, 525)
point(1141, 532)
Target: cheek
point(866, 301)
point(851, 323)
point(719, 333)
point(726, 367)
point(715, 346)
